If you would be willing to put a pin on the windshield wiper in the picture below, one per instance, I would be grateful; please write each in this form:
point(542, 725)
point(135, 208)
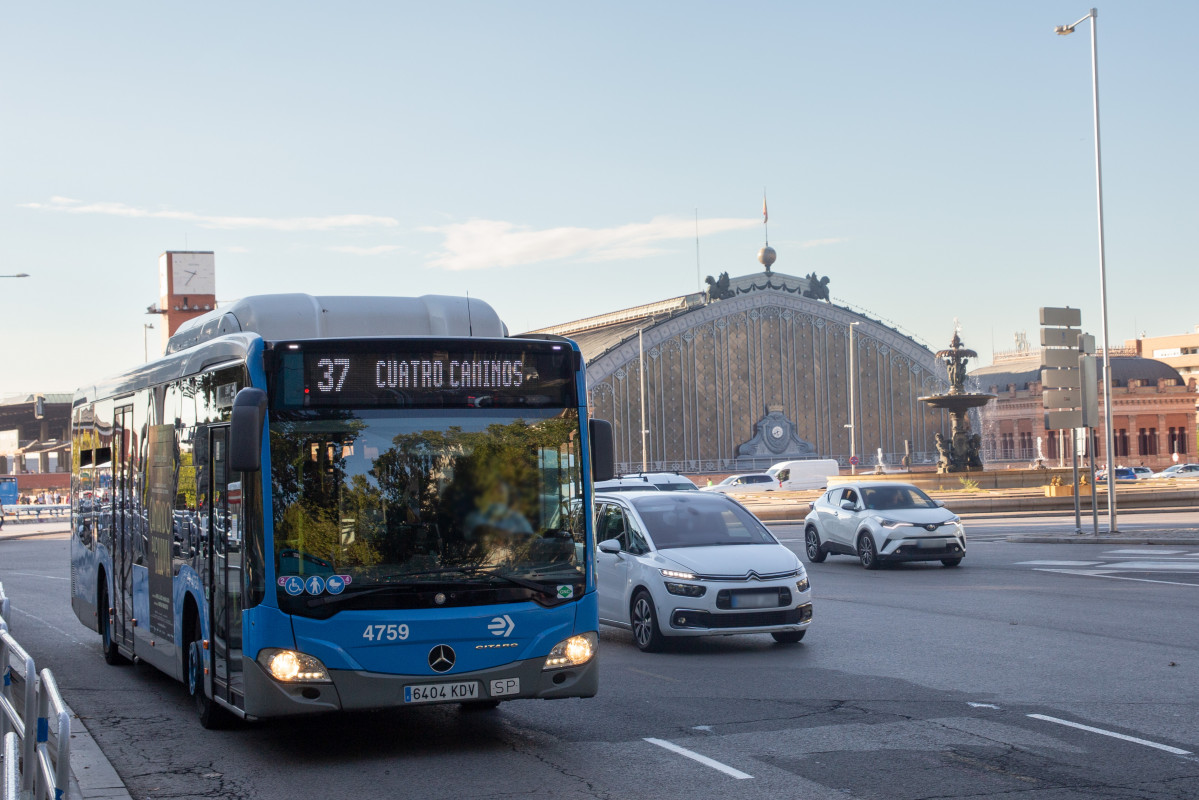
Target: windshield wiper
point(468, 571)
point(488, 571)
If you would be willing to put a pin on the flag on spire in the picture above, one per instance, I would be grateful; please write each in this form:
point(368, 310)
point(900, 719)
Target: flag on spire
point(765, 216)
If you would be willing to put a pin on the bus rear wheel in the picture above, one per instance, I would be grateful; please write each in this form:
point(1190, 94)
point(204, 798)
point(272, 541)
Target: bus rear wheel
point(112, 655)
point(212, 716)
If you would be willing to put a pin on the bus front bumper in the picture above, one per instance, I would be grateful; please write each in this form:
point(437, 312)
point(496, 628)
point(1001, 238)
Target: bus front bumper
point(353, 690)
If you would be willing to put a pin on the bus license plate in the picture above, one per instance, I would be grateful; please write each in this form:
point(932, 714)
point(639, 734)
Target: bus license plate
point(439, 692)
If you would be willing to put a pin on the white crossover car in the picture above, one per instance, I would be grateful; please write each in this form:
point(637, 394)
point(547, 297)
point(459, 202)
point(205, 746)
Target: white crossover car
point(694, 564)
point(880, 522)
point(746, 482)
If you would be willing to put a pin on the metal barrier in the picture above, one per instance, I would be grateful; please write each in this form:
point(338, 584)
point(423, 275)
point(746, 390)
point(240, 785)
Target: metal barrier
point(9, 787)
point(37, 755)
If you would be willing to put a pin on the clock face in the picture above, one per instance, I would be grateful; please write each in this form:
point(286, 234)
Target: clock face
point(777, 431)
point(193, 273)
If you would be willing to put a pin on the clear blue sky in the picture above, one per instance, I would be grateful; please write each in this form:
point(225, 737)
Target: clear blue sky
point(934, 159)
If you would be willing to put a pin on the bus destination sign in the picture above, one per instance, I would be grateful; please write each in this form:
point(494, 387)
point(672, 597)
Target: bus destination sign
point(539, 376)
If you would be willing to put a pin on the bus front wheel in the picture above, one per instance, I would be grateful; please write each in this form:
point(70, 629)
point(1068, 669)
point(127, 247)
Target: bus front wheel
point(212, 716)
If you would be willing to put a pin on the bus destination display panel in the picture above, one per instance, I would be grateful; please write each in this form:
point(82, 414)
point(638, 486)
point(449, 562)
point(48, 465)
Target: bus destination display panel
point(436, 375)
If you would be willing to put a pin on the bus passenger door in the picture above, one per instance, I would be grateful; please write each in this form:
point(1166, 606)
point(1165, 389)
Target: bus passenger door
point(124, 527)
point(225, 578)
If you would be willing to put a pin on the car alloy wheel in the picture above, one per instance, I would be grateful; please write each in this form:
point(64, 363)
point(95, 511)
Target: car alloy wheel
point(645, 623)
point(815, 552)
point(867, 553)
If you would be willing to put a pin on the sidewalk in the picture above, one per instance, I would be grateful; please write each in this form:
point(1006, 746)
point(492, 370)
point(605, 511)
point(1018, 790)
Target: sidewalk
point(22, 530)
point(92, 774)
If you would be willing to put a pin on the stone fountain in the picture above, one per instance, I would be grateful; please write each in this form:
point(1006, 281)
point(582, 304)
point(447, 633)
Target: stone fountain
point(961, 452)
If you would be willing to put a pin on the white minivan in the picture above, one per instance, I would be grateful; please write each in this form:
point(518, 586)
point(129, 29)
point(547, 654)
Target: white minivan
point(811, 474)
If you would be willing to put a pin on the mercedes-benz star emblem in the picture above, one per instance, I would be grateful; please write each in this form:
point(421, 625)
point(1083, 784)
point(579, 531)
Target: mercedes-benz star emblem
point(441, 658)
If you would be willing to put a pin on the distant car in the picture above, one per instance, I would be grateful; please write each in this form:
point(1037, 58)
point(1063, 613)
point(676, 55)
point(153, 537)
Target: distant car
point(880, 522)
point(745, 482)
point(1121, 474)
point(660, 481)
point(695, 564)
point(1142, 472)
point(625, 485)
point(1179, 471)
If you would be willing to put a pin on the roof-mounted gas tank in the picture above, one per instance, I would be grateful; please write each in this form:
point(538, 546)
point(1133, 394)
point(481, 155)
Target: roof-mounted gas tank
point(277, 317)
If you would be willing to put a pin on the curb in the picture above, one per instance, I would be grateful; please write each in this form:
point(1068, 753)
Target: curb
point(92, 774)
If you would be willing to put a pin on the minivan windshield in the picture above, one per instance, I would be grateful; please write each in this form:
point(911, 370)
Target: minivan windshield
point(698, 519)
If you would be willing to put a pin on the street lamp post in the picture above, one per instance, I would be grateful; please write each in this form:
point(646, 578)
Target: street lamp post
point(1109, 437)
point(641, 382)
point(146, 328)
point(853, 450)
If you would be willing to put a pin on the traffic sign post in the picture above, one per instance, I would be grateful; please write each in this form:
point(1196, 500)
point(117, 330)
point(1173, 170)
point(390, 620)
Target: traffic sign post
point(1063, 390)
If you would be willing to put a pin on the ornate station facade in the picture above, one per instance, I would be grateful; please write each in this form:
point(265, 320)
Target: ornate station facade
point(754, 371)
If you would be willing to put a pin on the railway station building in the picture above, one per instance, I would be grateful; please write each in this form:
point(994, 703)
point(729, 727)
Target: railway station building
point(757, 370)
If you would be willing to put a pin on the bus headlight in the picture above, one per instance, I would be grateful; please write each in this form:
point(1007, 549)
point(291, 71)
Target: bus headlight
point(289, 666)
point(573, 652)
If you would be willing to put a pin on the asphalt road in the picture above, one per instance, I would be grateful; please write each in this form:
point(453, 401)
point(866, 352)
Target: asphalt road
point(914, 682)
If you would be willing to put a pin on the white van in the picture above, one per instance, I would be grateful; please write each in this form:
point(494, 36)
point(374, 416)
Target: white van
point(811, 474)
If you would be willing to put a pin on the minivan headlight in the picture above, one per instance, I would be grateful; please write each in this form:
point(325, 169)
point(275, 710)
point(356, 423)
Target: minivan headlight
point(686, 589)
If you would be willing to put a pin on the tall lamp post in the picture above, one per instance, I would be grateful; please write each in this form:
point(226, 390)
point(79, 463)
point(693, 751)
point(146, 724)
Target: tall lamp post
point(641, 382)
point(1109, 436)
point(146, 328)
point(853, 450)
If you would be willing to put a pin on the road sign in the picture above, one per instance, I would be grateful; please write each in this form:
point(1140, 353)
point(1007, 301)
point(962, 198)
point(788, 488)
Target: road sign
point(1059, 337)
point(853, 460)
point(1059, 379)
point(1062, 398)
point(1061, 317)
point(1088, 373)
point(1059, 358)
point(1063, 420)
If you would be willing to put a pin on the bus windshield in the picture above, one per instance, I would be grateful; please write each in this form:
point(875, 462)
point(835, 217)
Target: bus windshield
point(449, 500)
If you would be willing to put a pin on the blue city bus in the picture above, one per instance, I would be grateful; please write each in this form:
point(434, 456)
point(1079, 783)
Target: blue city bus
point(313, 504)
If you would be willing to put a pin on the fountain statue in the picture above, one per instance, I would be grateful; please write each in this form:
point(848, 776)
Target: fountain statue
point(880, 466)
point(1039, 461)
point(962, 452)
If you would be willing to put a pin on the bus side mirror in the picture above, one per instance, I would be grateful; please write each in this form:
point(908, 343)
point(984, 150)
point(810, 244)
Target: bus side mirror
point(603, 450)
point(245, 431)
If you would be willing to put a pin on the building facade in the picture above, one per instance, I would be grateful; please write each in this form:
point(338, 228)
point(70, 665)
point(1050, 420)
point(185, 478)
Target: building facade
point(1181, 352)
point(753, 373)
point(1153, 413)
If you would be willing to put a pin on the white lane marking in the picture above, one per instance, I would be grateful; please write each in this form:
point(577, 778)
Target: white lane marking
point(1144, 552)
point(1176, 751)
point(46, 624)
point(1099, 572)
point(982, 705)
point(653, 675)
point(1154, 566)
point(683, 751)
point(1095, 573)
point(1058, 563)
point(44, 577)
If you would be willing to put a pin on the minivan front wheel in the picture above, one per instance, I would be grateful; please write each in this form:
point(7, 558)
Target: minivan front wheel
point(644, 619)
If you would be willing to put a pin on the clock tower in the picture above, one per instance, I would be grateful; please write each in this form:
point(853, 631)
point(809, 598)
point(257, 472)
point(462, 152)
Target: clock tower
point(186, 287)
